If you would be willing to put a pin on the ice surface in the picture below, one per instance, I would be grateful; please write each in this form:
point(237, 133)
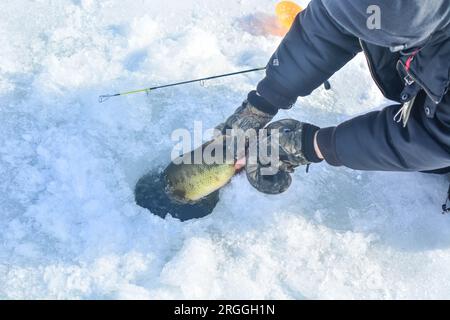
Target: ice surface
point(69, 227)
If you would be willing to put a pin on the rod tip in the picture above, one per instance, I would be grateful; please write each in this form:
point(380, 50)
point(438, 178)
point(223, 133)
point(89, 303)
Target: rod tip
point(103, 98)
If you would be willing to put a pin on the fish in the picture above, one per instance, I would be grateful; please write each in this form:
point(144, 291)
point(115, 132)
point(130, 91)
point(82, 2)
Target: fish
point(188, 182)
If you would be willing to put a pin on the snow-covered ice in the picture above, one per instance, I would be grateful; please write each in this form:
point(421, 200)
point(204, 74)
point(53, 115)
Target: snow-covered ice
point(69, 227)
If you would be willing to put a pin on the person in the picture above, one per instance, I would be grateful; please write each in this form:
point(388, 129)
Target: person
point(408, 54)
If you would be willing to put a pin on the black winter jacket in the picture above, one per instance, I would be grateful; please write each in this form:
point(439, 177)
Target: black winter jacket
point(409, 58)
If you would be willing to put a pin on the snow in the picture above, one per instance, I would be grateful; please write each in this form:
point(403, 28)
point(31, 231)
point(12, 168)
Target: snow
point(69, 227)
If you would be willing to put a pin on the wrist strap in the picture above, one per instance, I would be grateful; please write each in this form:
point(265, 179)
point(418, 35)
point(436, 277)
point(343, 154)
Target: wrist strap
point(261, 104)
point(308, 133)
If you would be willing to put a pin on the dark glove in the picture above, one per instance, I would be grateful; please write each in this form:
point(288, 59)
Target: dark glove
point(295, 145)
point(254, 113)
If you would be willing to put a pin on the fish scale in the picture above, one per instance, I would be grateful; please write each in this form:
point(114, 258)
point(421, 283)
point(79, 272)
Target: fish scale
point(189, 183)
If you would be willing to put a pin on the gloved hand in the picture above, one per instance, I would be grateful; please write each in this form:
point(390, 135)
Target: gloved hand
point(254, 113)
point(295, 145)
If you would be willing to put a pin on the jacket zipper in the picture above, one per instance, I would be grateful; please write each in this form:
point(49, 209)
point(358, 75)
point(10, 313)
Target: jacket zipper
point(409, 74)
point(375, 79)
point(372, 72)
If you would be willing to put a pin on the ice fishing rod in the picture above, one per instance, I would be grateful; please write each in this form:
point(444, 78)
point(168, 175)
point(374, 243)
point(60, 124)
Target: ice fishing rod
point(103, 98)
point(106, 97)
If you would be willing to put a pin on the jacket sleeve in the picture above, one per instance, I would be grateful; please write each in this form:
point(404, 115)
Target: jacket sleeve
point(376, 142)
point(312, 51)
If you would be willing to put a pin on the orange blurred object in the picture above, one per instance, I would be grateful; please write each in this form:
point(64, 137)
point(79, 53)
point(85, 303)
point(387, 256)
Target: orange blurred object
point(286, 12)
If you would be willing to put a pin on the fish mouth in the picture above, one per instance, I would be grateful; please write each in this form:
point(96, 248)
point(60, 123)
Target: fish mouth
point(178, 196)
